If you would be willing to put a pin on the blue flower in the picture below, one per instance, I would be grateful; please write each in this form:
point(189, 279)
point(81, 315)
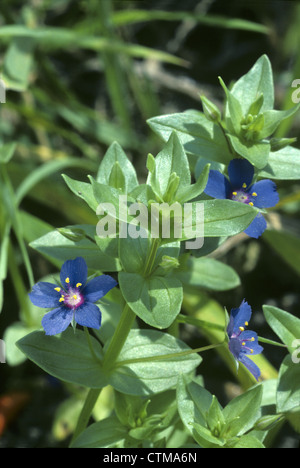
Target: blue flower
point(240, 188)
point(243, 343)
point(74, 300)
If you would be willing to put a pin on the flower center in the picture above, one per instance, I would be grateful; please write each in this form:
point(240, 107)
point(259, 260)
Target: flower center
point(240, 196)
point(72, 298)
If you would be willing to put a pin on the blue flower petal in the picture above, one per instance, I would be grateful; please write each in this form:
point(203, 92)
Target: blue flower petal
point(98, 287)
point(44, 295)
point(235, 347)
point(88, 315)
point(240, 172)
point(241, 315)
point(267, 196)
point(257, 227)
point(74, 271)
point(57, 320)
point(251, 366)
point(217, 185)
point(251, 347)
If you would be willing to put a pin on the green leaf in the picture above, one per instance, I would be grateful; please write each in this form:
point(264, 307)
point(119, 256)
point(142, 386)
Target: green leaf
point(283, 165)
point(156, 300)
point(6, 152)
point(205, 438)
point(103, 434)
point(242, 412)
point(247, 441)
point(133, 253)
point(222, 218)
point(273, 118)
point(18, 63)
point(193, 191)
point(193, 402)
point(66, 356)
point(210, 110)
point(288, 390)
point(171, 160)
point(259, 80)
point(234, 114)
point(199, 136)
point(284, 324)
point(115, 154)
point(256, 153)
point(57, 38)
point(132, 16)
point(148, 377)
point(208, 273)
point(83, 190)
point(56, 246)
point(13, 333)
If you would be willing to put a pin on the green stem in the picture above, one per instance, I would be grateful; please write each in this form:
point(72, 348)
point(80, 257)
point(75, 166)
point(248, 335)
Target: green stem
point(271, 342)
point(119, 337)
point(151, 257)
point(162, 357)
point(114, 348)
point(227, 140)
point(198, 323)
point(86, 411)
point(87, 334)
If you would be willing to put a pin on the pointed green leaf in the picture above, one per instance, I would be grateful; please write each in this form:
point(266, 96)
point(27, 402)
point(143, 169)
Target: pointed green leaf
point(243, 411)
point(283, 165)
point(115, 154)
point(273, 118)
point(259, 80)
point(199, 136)
point(66, 356)
point(256, 153)
point(284, 324)
point(151, 376)
point(156, 300)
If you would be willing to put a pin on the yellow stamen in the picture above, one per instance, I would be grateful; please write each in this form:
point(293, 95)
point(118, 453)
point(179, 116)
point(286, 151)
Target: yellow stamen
point(57, 289)
point(254, 194)
point(242, 328)
point(62, 299)
point(234, 193)
point(251, 351)
point(244, 185)
point(243, 343)
point(251, 204)
point(246, 323)
point(78, 285)
point(67, 280)
point(74, 297)
point(252, 339)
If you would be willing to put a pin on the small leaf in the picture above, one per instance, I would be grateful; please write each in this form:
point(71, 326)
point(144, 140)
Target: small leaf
point(242, 412)
point(66, 356)
point(198, 135)
point(259, 80)
point(284, 324)
point(115, 160)
point(256, 153)
point(103, 434)
point(156, 300)
point(148, 377)
point(288, 390)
